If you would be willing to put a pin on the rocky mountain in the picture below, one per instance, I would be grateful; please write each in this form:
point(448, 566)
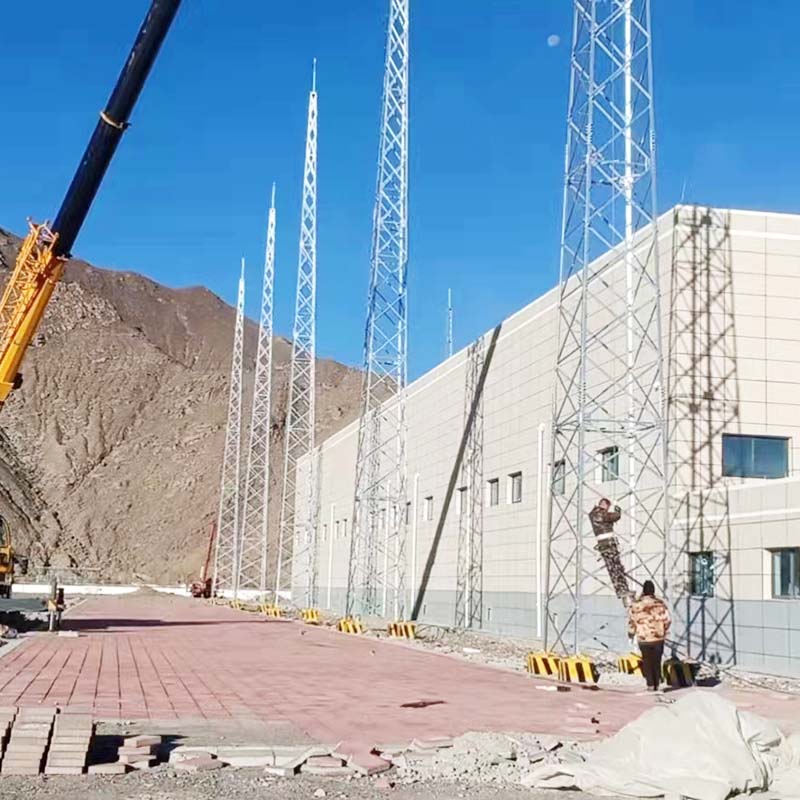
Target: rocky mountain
point(110, 452)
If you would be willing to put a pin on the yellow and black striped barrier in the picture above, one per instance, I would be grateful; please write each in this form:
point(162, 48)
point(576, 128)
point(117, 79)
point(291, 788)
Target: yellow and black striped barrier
point(350, 625)
point(542, 664)
point(403, 630)
point(310, 616)
point(679, 674)
point(271, 611)
point(577, 669)
point(630, 664)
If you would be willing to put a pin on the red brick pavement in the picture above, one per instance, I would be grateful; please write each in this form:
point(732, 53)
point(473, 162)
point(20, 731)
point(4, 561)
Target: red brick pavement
point(161, 657)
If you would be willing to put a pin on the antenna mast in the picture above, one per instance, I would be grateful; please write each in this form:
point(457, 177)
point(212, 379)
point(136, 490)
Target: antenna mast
point(226, 546)
point(449, 323)
point(301, 415)
point(252, 565)
point(376, 575)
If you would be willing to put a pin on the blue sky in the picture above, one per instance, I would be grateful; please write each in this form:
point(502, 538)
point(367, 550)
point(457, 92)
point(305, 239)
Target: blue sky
point(224, 115)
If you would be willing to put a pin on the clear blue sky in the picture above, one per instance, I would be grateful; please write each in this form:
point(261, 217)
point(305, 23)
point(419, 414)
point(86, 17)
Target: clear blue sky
point(224, 115)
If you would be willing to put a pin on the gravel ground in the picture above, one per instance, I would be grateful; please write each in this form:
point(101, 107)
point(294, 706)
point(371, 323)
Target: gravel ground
point(163, 784)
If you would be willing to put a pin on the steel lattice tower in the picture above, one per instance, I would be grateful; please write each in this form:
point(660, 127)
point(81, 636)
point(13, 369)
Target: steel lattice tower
point(252, 563)
point(226, 546)
point(469, 566)
point(300, 415)
point(608, 420)
point(376, 574)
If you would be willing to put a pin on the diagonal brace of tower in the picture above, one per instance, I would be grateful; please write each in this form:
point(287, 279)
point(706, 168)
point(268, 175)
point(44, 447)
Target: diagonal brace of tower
point(297, 530)
point(228, 522)
point(376, 574)
point(252, 560)
point(608, 413)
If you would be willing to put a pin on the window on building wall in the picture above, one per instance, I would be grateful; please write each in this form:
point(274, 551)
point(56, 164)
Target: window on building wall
point(344, 528)
point(515, 487)
point(428, 508)
point(755, 456)
point(701, 572)
point(786, 572)
point(559, 477)
point(324, 533)
point(407, 518)
point(337, 529)
point(609, 464)
point(494, 491)
point(461, 500)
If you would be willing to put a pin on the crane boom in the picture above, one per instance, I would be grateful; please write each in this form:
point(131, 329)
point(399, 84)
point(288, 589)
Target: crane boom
point(41, 258)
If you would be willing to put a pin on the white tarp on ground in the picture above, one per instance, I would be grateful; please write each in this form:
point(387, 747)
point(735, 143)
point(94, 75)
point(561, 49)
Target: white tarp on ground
point(700, 748)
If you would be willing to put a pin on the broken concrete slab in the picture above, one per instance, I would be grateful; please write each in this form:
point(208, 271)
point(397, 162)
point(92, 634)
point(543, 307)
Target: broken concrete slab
point(199, 764)
point(183, 752)
point(368, 764)
point(327, 772)
point(325, 761)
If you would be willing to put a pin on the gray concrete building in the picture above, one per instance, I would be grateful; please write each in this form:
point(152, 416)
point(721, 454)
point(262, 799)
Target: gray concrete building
point(731, 339)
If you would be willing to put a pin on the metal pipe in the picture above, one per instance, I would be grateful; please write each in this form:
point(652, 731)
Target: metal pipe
point(112, 124)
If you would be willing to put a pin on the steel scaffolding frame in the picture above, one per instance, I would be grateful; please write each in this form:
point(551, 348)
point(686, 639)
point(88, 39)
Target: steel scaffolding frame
point(300, 417)
point(609, 366)
point(251, 572)
point(376, 573)
point(469, 567)
point(226, 546)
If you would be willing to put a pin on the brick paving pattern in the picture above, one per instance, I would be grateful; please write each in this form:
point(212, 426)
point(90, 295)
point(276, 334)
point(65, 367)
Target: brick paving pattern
point(161, 657)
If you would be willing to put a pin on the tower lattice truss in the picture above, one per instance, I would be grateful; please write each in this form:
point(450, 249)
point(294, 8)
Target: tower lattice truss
point(226, 547)
point(377, 568)
point(469, 505)
point(252, 562)
point(608, 421)
point(297, 530)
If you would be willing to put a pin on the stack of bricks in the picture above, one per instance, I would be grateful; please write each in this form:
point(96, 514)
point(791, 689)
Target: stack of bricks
point(30, 735)
point(69, 747)
point(139, 751)
point(7, 714)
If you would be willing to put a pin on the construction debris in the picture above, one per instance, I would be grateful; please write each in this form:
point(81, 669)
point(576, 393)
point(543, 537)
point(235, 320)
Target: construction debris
point(700, 748)
point(478, 757)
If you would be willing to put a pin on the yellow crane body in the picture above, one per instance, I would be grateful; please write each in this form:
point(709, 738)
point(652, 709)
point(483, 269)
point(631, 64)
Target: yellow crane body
point(36, 273)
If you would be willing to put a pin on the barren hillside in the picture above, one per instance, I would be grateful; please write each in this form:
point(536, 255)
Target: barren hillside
point(110, 453)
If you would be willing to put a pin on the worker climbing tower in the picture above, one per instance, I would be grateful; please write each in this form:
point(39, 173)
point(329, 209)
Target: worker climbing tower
point(376, 573)
point(608, 435)
point(251, 570)
point(226, 546)
point(297, 531)
point(469, 565)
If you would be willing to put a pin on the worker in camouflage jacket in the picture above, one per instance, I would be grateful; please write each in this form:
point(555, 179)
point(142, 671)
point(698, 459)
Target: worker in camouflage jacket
point(603, 520)
point(649, 621)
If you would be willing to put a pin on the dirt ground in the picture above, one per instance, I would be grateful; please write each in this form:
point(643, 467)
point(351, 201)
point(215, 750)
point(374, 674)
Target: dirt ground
point(162, 783)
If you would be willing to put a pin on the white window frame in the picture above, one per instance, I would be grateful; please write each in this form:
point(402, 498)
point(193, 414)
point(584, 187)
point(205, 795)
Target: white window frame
point(493, 492)
point(428, 508)
point(604, 456)
point(513, 478)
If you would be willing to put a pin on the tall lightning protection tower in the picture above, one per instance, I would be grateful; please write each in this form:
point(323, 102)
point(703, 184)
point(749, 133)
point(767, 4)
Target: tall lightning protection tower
point(608, 435)
point(297, 531)
point(226, 546)
point(376, 574)
point(251, 573)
